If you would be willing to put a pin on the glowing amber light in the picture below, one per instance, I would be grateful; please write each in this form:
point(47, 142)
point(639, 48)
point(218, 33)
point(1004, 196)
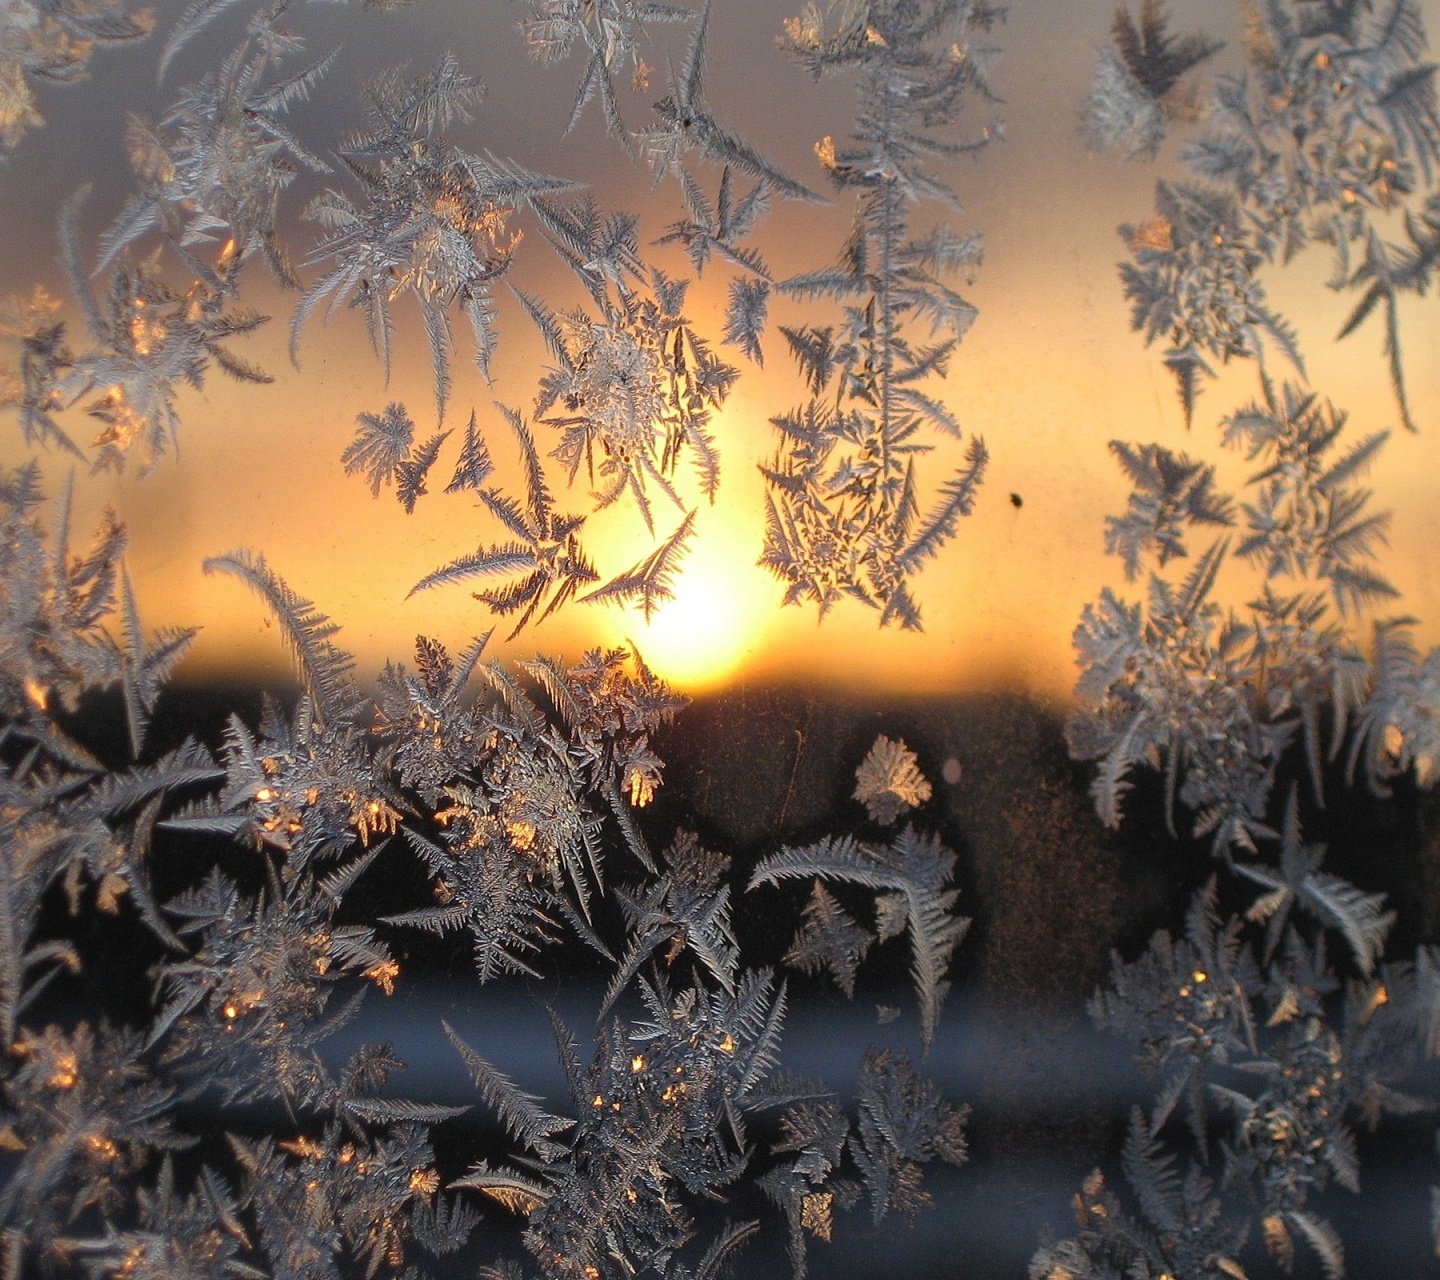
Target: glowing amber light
point(637, 1063)
point(721, 609)
point(101, 1147)
point(383, 975)
point(37, 693)
point(640, 787)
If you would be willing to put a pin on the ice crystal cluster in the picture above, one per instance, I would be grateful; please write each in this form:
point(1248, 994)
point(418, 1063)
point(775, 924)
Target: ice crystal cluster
point(52, 42)
point(1328, 134)
point(209, 1131)
point(1271, 1058)
point(844, 514)
point(413, 227)
point(1275, 1024)
point(206, 1130)
point(132, 1147)
point(1212, 695)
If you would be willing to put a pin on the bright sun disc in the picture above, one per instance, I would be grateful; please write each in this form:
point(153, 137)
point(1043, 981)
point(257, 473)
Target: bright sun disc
point(711, 626)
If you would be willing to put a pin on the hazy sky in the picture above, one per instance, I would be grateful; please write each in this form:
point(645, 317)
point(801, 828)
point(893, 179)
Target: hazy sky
point(1048, 375)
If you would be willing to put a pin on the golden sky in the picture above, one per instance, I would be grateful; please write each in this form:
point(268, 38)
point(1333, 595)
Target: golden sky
point(1048, 375)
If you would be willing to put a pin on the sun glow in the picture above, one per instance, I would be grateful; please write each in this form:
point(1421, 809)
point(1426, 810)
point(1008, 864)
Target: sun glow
point(717, 621)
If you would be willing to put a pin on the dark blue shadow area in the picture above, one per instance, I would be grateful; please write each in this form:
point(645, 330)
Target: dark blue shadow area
point(1048, 1100)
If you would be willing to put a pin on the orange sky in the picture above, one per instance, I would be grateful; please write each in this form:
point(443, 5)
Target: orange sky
point(1049, 373)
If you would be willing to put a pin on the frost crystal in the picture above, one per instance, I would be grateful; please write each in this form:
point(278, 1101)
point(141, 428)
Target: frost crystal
point(432, 220)
point(51, 41)
point(1332, 126)
point(1139, 83)
point(843, 515)
point(214, 167)
point(889, 781)
point(1217, 698)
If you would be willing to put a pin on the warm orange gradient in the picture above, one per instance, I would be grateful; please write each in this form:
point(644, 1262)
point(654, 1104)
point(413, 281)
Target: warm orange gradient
point(717, 624)
point(1049, 374)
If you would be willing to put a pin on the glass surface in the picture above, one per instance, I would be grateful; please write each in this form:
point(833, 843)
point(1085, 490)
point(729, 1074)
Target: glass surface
point(785, 703)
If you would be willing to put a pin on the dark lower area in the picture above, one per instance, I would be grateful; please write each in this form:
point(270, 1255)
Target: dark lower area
point(1051, 893)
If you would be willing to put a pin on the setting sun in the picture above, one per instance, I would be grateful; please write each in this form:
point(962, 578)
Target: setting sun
point(719, 615)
